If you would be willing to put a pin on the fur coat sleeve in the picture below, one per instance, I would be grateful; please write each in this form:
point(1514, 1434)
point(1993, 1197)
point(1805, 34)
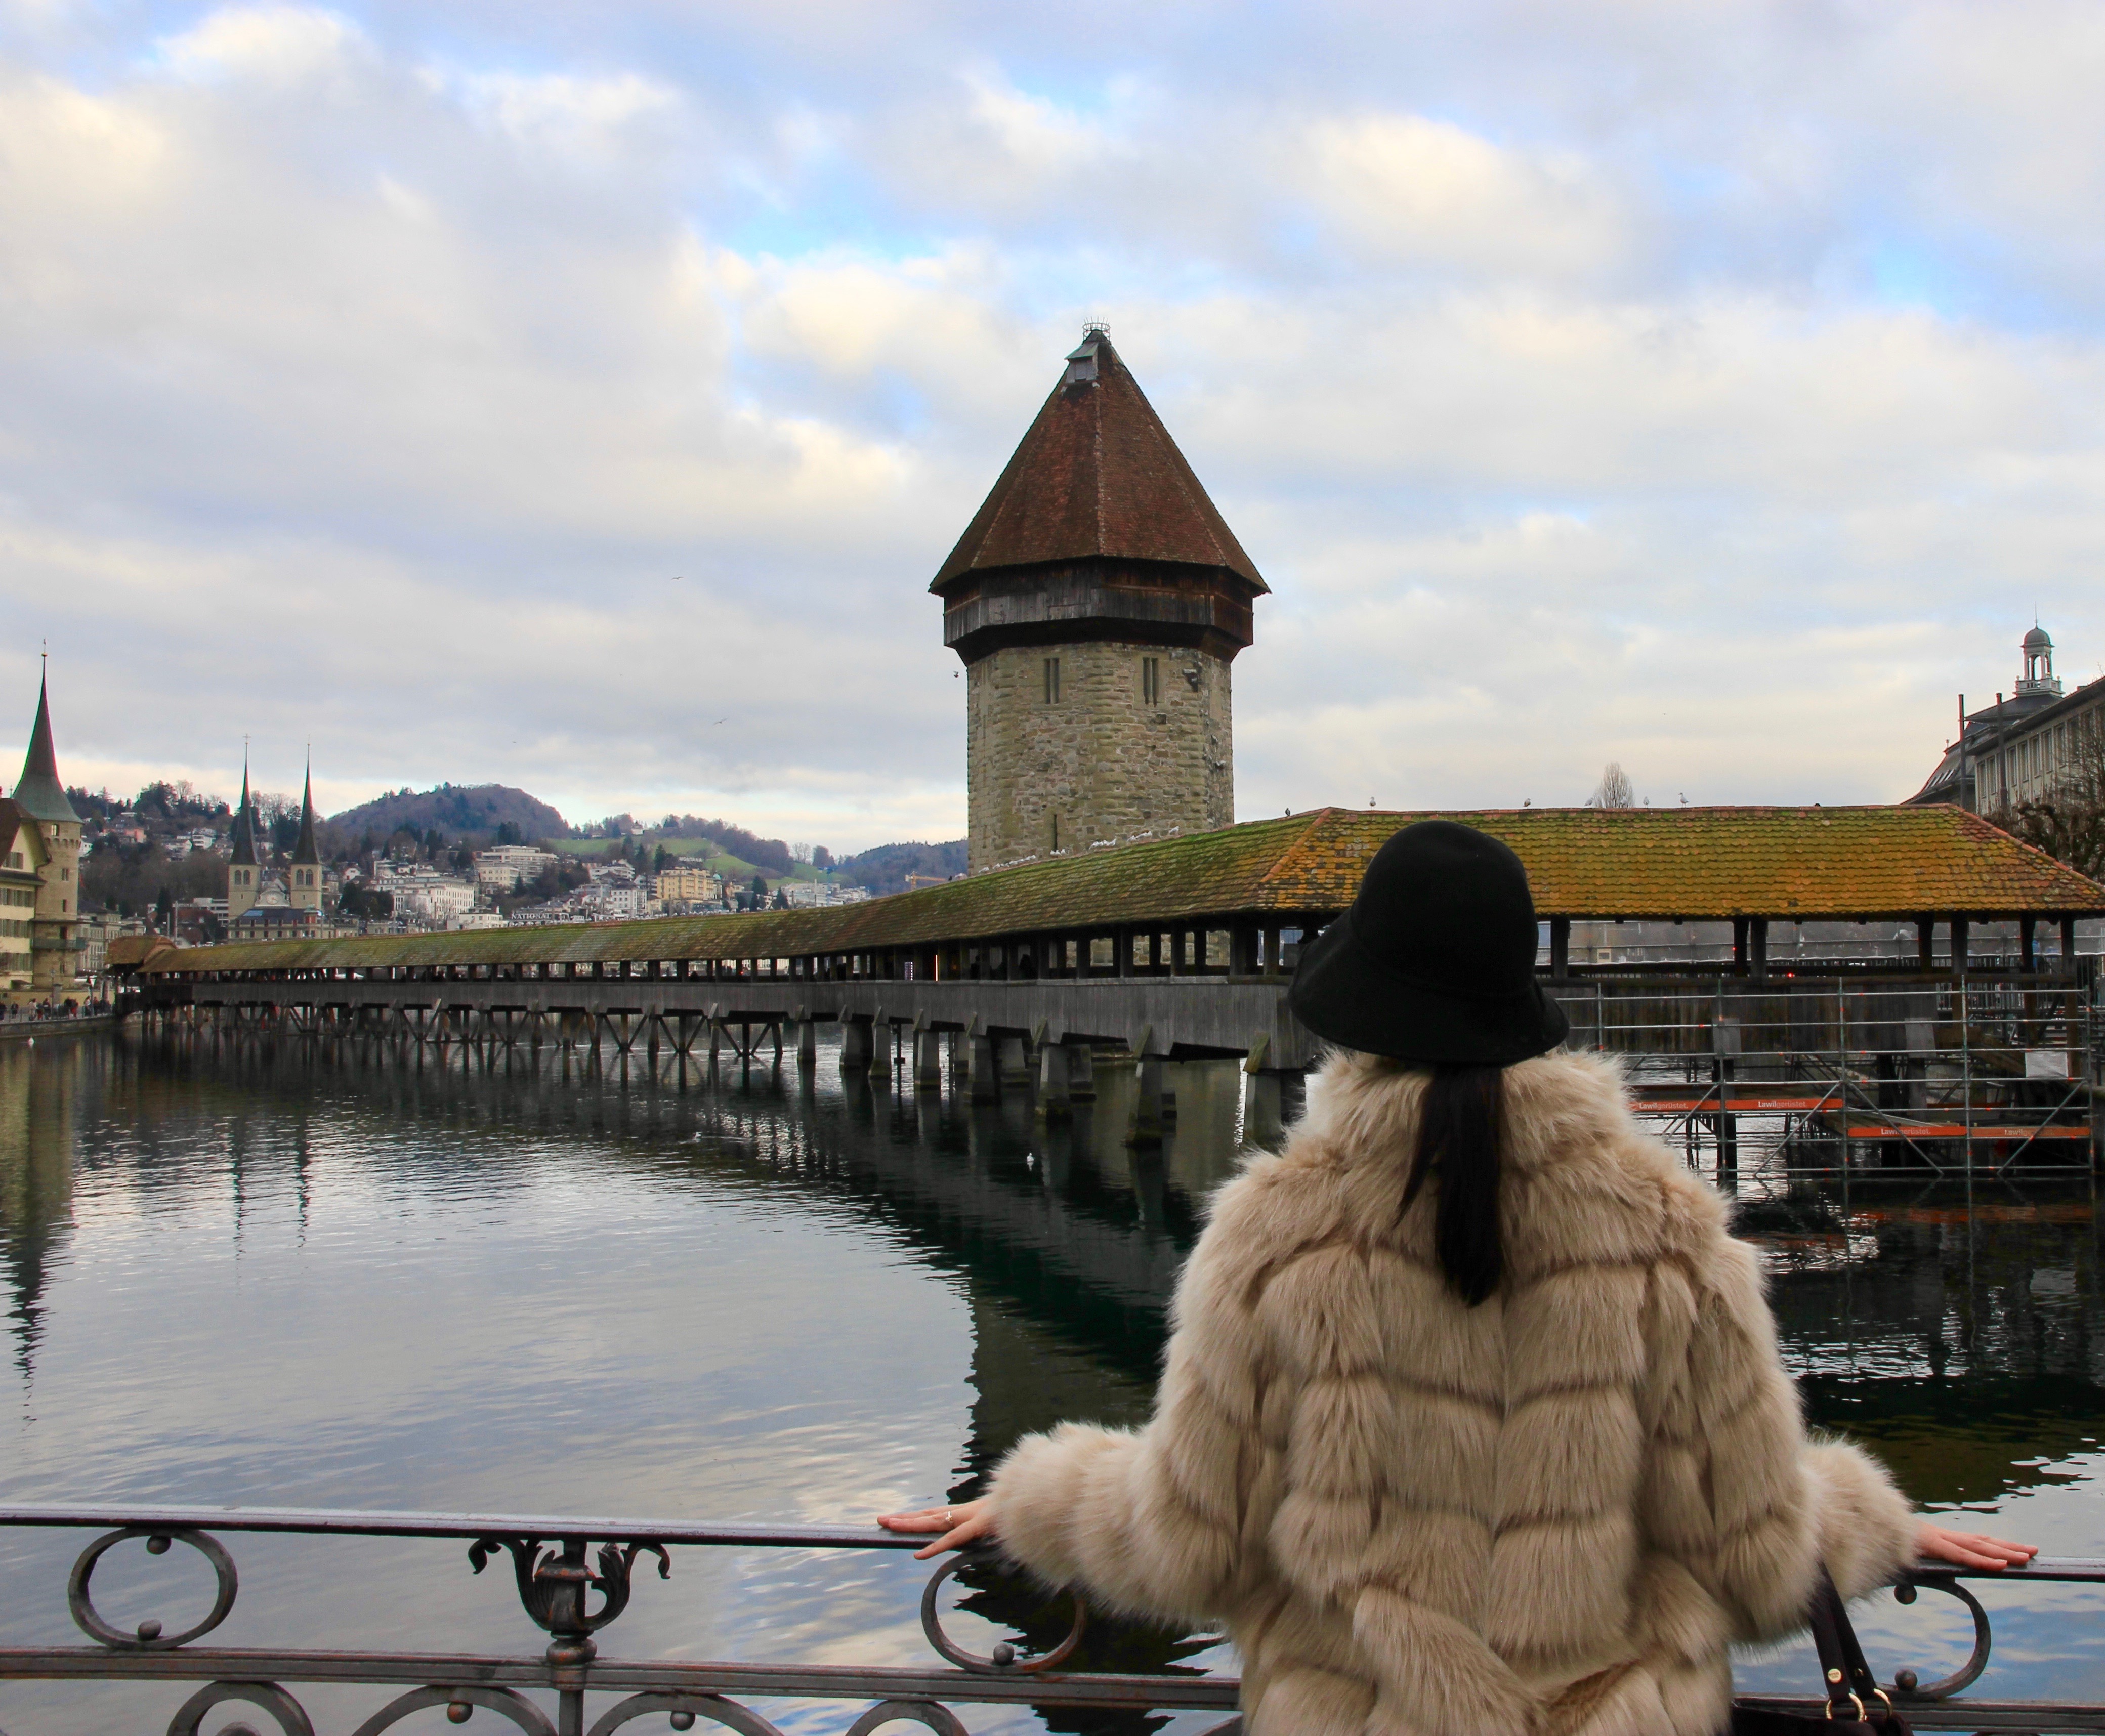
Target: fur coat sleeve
point(1151, 1520)
point(1738, 1493)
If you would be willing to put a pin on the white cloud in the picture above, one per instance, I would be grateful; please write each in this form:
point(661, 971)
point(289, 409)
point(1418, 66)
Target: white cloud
point(569, 117)
point(275, 44)
point(1424, 190)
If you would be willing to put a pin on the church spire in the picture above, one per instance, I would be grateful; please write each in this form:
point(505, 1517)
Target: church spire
point(304, 852)
point(242, 881)
point(244, 822)
point(38, 793)
point(303, 873)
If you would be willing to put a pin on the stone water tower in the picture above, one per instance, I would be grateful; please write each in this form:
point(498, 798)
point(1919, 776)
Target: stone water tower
point(1097, 599)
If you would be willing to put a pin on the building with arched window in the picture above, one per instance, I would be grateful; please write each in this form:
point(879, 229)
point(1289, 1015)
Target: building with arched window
point(2036, 741)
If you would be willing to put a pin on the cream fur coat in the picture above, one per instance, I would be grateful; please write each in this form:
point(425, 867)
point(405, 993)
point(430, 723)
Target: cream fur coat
point(1547, 1513)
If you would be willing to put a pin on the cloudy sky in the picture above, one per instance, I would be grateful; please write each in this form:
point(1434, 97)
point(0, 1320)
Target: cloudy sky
point(582, 397)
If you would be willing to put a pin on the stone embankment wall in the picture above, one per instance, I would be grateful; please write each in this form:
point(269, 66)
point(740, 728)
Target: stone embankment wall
point(1098, 762)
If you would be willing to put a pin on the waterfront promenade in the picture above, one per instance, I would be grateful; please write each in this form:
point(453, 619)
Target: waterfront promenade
point(27, 1029)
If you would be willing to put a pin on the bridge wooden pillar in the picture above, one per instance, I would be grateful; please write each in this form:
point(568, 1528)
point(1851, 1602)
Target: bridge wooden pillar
point(855, 1044)
point(2068, 946)
point(1560, 946)
point(1149, 1120)
point(2027, 943)
point(1925, 942)
point(1263, 1110)
point(980, 1048)
point(1053, 1065)
point(927, 1060)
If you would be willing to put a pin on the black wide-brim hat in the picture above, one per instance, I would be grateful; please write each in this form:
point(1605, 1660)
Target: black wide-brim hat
point(1434, 962)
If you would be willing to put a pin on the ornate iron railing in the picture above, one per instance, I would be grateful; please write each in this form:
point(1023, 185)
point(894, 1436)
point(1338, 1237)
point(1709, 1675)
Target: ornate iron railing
point(574, 1577)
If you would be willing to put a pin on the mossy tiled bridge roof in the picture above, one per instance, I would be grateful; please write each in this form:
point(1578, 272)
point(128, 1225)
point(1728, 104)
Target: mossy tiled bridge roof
point(1792, 864)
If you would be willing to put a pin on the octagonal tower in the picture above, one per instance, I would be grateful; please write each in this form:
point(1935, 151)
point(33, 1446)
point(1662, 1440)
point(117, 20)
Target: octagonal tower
point(1097, 599)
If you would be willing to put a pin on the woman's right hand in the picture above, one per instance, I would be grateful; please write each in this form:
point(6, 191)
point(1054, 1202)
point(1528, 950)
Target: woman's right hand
point(969, 1521)
point(1973, 1549)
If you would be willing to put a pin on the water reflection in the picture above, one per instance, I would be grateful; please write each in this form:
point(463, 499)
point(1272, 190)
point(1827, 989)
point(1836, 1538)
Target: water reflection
point(329, 1273)
point(36, 1187)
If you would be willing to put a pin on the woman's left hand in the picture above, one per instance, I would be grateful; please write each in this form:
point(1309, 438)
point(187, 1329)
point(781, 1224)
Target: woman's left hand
point(967, 1523)
point(1973, 1549)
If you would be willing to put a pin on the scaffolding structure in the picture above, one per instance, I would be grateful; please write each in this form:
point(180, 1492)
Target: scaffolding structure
point(1972, 1074)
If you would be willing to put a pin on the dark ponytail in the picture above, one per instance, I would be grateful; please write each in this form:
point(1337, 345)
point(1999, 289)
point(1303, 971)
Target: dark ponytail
point(1458, 1134)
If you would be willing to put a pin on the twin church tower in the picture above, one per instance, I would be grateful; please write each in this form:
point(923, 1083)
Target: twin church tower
point(297, 887)
point(1097, 599)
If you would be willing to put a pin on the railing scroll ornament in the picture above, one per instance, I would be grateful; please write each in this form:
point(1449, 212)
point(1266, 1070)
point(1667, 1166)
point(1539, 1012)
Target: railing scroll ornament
point(1905, 1681)
point(1004, 1656)
point(681, 1709)
point(148, 1636)
point(291, 1717)
point(460, 1704)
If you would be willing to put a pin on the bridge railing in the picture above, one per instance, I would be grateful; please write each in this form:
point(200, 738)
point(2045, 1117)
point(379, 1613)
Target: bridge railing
point(575, 1576)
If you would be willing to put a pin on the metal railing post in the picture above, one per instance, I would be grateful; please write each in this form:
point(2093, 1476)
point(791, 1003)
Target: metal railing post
point(1842, 1055)
point(1966, 1076)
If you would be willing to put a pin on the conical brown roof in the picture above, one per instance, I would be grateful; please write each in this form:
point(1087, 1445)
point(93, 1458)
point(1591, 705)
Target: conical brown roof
point(1097, 477)
point(39, 794)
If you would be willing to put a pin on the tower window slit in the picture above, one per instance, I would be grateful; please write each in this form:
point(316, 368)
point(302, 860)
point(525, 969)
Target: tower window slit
point(1052, 680)
point(1150, 680)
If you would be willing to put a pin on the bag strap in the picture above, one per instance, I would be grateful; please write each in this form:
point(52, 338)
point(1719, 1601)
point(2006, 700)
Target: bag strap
point(1845, 1675)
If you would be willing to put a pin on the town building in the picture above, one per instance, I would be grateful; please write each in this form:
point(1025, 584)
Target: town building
point(505, 868)
point(615, 898)
point(423, 897)
point(96, 934)
point(811, 895)
point(1097, 599)
point(684, 885)
point(40, 807)
point(201, 921)
point(2034, 742)
point(275, 917)
point(21, 883)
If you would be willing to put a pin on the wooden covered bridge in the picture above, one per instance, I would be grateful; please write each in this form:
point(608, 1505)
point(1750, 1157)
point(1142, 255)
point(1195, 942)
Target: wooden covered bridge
point(1180, 947)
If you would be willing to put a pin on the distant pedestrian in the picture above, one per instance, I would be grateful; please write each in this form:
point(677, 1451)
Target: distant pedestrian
point(1474, 1420)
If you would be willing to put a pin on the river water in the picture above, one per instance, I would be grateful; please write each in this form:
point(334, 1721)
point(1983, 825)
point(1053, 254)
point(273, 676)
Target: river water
point(283, 1274)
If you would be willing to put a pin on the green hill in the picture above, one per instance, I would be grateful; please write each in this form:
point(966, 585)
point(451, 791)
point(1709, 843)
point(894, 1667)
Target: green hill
point(454, 809)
